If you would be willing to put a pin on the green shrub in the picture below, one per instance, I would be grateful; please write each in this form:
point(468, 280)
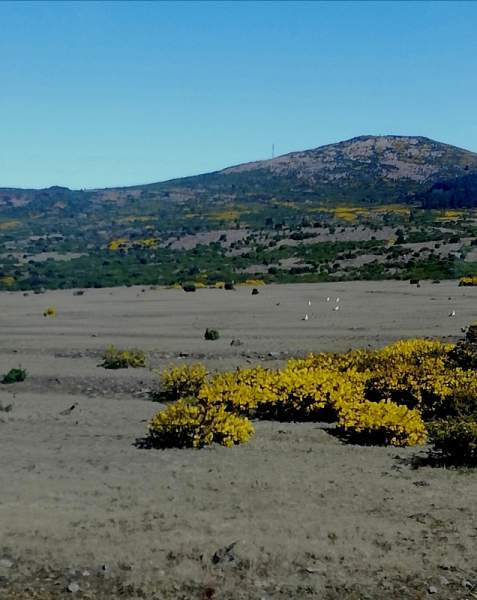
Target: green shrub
point(15, 375)
point(189, 287)
point(229, 285)
point(464, 355)
point(122, 359)
point(456, 438)
point(211, 334)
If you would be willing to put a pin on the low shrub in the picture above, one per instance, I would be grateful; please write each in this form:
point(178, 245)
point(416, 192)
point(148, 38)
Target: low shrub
point(191, 424)
point(386, 396)
point(211, 334)
point(384, 423)
point(464, 355)
point(468, 281)
point(50, 312)
point(122, 359)
point(255, 292)
point(189, 287)
point(254, 282)
point(229, 285)
point(181, 382)
point(15, 375)
point(456, 439)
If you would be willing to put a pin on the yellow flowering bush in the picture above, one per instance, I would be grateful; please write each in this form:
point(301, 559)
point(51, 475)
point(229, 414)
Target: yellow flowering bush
point(117, 244)
point(181, 382)
point(7, 280)
point(383, 422)
point(380, 396)
point(254, 282)
point(471, 280)
point(187, 424)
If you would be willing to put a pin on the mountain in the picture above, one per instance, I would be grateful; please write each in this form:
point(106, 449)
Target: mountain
point(368, 169)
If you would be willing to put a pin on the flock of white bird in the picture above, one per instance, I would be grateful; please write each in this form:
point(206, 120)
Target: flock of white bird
point(337, 307)
point(328, 299)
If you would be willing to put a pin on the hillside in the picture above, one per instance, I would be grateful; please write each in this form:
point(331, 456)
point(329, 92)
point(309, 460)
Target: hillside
point(459, 192)
point(341, 212)
point(366, 169)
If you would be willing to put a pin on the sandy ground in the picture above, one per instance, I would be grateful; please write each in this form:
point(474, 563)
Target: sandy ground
point(82, 506)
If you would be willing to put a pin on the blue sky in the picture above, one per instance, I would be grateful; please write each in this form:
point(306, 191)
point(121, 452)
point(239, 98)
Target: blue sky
point(103, 94)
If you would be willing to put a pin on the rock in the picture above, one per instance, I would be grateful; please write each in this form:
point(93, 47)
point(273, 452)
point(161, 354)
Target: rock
point(432, 589)
point(444, 580)
point(86, 573)
point(274, 354)
point(6, 563)
point(311, 570)
point(69, 410)
point(73, 587)
point(236, 342)
point(224, 555)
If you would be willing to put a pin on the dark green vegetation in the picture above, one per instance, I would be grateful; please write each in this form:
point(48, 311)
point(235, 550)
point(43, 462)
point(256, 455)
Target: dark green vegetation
point(460, 192)
point(454, 434)
point(15, 375)
point(211, 334)
point(351, 210)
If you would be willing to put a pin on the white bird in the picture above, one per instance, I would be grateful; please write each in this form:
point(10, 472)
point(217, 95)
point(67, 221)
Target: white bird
point(337, 299)
point(336, 307)
point(328, 299)
point(309, 302)
point(305, 318)
point(452, 314)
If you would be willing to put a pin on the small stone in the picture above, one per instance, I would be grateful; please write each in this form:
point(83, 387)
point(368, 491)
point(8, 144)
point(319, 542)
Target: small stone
point(224, 555)
point(86, 573)
point(311, 570)
point(73, 587)
point(444, 580)
point(421, 483)
point(467, 584)
point(274, 354)
point(6, 563)
point(432, 589)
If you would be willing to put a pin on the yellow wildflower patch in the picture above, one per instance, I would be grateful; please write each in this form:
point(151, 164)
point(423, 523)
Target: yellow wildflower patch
point(6, 225)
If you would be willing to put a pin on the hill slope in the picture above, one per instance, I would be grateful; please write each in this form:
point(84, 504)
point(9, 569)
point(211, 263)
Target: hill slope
point(366, 169)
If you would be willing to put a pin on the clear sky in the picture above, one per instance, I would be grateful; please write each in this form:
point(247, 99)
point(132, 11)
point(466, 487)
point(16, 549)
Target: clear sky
point(103, 94)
